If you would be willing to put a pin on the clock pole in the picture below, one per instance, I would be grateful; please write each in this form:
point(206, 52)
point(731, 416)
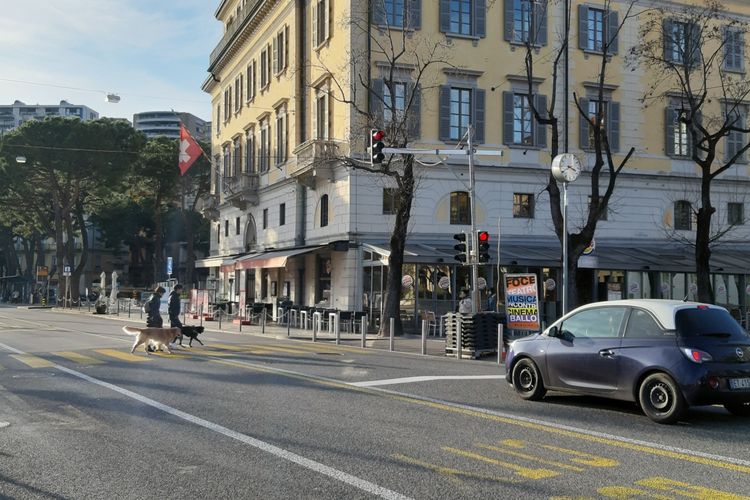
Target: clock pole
point(565, 169)
point(565, 250)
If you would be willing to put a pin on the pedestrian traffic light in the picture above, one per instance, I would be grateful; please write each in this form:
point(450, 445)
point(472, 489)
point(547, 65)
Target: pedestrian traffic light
point(460, 247)
point(483, 246)
point(376, 146)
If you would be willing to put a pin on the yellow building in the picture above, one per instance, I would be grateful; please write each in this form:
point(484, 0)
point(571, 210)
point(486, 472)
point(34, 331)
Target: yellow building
point(288, 80)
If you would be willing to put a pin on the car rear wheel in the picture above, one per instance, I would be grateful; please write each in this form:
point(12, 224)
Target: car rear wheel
point(526, 380)
point(661, 399)
point(739, 409)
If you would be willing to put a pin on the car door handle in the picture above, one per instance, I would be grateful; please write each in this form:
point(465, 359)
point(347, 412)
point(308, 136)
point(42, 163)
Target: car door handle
point(606, 353)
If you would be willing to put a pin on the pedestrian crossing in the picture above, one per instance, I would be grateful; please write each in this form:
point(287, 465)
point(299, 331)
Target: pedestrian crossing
point(100, 356)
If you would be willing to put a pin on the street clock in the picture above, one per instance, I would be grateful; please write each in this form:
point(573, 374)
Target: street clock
point(566, 167)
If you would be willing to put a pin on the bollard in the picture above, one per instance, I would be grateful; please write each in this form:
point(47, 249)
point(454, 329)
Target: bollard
point(337, 329)
point(241, 319)
point(424, 337)
point(459, 337)
point(314, 331)
point(218, 313)
point(129, 309)
point(141, 310)
point(118, 307)
point(364, 332)
point(288, 321)
point(200, 314)
point(500, 345)
point(263, 322)
point(393, 327)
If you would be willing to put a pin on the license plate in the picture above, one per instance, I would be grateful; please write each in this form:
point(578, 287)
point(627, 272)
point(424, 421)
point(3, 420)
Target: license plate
point(739, 383)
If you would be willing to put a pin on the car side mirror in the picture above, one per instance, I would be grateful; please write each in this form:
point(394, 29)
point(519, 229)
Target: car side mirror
point(553, 332)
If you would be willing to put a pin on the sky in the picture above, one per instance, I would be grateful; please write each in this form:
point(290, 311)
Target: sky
point(152, 53)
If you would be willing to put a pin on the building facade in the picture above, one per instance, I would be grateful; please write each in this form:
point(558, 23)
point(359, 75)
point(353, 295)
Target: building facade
point(11, 116)
point(167, 124)
point(291, 220)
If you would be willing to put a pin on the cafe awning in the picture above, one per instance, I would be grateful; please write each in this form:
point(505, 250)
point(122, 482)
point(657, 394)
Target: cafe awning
point(220, 261)
point(272, 259)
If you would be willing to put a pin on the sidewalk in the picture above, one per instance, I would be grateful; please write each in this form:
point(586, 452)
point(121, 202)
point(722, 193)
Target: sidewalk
point(412, 344)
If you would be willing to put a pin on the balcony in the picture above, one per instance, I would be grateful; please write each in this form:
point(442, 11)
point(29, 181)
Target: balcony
point(315, 159)
point(241, 190)
point(207, 205)
point(249, 16)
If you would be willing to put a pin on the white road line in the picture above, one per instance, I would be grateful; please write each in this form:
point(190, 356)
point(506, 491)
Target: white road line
point(307, 463)
point(426, 378)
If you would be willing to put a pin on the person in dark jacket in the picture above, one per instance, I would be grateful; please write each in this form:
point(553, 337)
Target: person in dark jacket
point(174, 307)
point(153, 316)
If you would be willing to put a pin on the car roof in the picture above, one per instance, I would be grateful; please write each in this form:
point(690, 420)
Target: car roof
point(663, 309)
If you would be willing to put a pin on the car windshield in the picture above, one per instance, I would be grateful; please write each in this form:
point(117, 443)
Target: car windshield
point(709, 322)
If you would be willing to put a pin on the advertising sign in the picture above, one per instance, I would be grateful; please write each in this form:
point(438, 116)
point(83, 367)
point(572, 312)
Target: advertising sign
point(522, 302)
point(169, 266)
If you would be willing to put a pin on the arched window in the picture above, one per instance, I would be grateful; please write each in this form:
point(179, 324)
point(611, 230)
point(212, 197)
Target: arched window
point(324, 210)
point(251, 234)
point(460, 212)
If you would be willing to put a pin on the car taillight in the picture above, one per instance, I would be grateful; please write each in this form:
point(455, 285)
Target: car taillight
point(696, 355)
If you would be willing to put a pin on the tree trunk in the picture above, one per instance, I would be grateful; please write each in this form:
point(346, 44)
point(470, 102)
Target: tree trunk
point(159, 269)
point(187, 222)
point(703, 251)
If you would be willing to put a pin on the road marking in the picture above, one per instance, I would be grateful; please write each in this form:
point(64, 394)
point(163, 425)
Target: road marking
point(452, 473)
point(426, 378)
point(32, 361)
point(667, 485)
point(521, 471)
point(124, 356)
point(530, 458)
point(81, 359)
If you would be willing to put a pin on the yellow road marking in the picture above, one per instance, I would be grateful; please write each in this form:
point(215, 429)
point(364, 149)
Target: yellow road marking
point(32, 361)
point(255, 349)
point(521, 471)
point(208, 352)
point(81, 359)
point(125, 356)
point(627, 492)
point(687, 490)
point(581, 457)
point(530, 458)
point(452, 473)
point(175, 355)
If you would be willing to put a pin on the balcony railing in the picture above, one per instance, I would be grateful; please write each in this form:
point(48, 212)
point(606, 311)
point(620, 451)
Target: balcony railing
point(241, 189)
point(315, 154)
point(234, 28)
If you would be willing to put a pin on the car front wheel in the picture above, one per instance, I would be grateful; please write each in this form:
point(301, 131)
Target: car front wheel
point(661, 399)
point(526, 380)
point(739, 409)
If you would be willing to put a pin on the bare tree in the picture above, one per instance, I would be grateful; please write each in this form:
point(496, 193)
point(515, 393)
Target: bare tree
point(605, 169)
point(693, 53)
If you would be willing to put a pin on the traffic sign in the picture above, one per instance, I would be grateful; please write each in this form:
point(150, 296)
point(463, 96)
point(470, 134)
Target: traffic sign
point(66, 271)
point(169, 265)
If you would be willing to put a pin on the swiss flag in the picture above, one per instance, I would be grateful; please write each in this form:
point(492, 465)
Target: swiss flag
point(190, 150)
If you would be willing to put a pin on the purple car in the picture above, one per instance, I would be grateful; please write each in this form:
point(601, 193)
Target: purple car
point(665, 355)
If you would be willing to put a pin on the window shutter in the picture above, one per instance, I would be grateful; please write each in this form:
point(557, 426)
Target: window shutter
point(445, 16)
point(540, 130)
point(478, 102)
point(667, 30)
point(286, 47)
point(315, 22)
point(327, 116)
point(328, 20)
point(480, 18)
point(613, 126)
point(445, 112)
point(286, 137)
point(583, 27)
point(540, 22)
point(693, 45)
point(314, 114)
point(584, 133)
point(669, 114)
point(376, 100)
point(508, 20)
point(508, 117)
point(378, 12)
point(415, 114)
point(275, 56)
point(613, 25)
point(415, 14)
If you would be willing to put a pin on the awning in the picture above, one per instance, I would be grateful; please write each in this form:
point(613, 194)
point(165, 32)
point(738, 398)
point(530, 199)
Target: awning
point(215, 261)
point(272, 259)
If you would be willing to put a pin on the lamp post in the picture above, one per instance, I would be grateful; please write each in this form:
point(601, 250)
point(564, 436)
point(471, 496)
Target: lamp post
point(565, 168)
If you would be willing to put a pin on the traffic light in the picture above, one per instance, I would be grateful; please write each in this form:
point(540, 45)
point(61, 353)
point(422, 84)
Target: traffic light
point(483, 241)
point(461, 247)
point(376, 146)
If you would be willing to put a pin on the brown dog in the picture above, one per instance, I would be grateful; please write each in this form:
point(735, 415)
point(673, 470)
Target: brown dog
point(160, 337)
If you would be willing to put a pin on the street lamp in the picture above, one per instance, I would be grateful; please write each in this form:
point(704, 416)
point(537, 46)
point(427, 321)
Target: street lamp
point(565, 168)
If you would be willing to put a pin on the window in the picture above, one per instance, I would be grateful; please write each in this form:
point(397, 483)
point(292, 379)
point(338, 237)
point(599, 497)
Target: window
point(460, 106)
point(265, 67)
point(597, 27)
point(282, 214)
point(736, 140)
point(678, 140)
point(320, 20)
point(218, 232)
point(264, 154)
point(236, 156)
point(282, 132)
point(239, 86)
point(391, 200)
point(600, 322)
point(227, 104)
point(460, 212)
point(218, 119)
point(250, 166)
point(604, 213)
point(460, 112)
point(281, 50)
point(525, 21)
point(324, 210)
point(735, 213)
point(397, 13)
point(227, 163)
point(251, 69)
point(397, 106)
point(265, 218)
point(237, 225)
point(610, 123)
point(681, 42)
point(404, 93)
point(463, 17)
point(322, 111)
point(642, 324)
point(734, 50)
point(394, 12)
point(519, 125)
point(460, 16)
point(226, 227)
point(523, 205)
point(683, 215)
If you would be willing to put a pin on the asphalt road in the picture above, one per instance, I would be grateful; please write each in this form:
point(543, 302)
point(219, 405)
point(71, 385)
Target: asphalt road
point(247, 416)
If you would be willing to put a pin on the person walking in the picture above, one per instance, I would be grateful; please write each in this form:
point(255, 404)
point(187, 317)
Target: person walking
point(492, 301)
point(465, 305)
point(174, 307)
point(153, 315)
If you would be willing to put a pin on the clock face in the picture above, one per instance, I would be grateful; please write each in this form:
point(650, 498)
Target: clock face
point(566, 167)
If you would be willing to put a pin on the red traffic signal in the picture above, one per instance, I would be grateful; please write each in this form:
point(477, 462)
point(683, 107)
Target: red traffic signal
point(376, 146)
point(483, 246)
point(483, 236)
point(378, 135)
